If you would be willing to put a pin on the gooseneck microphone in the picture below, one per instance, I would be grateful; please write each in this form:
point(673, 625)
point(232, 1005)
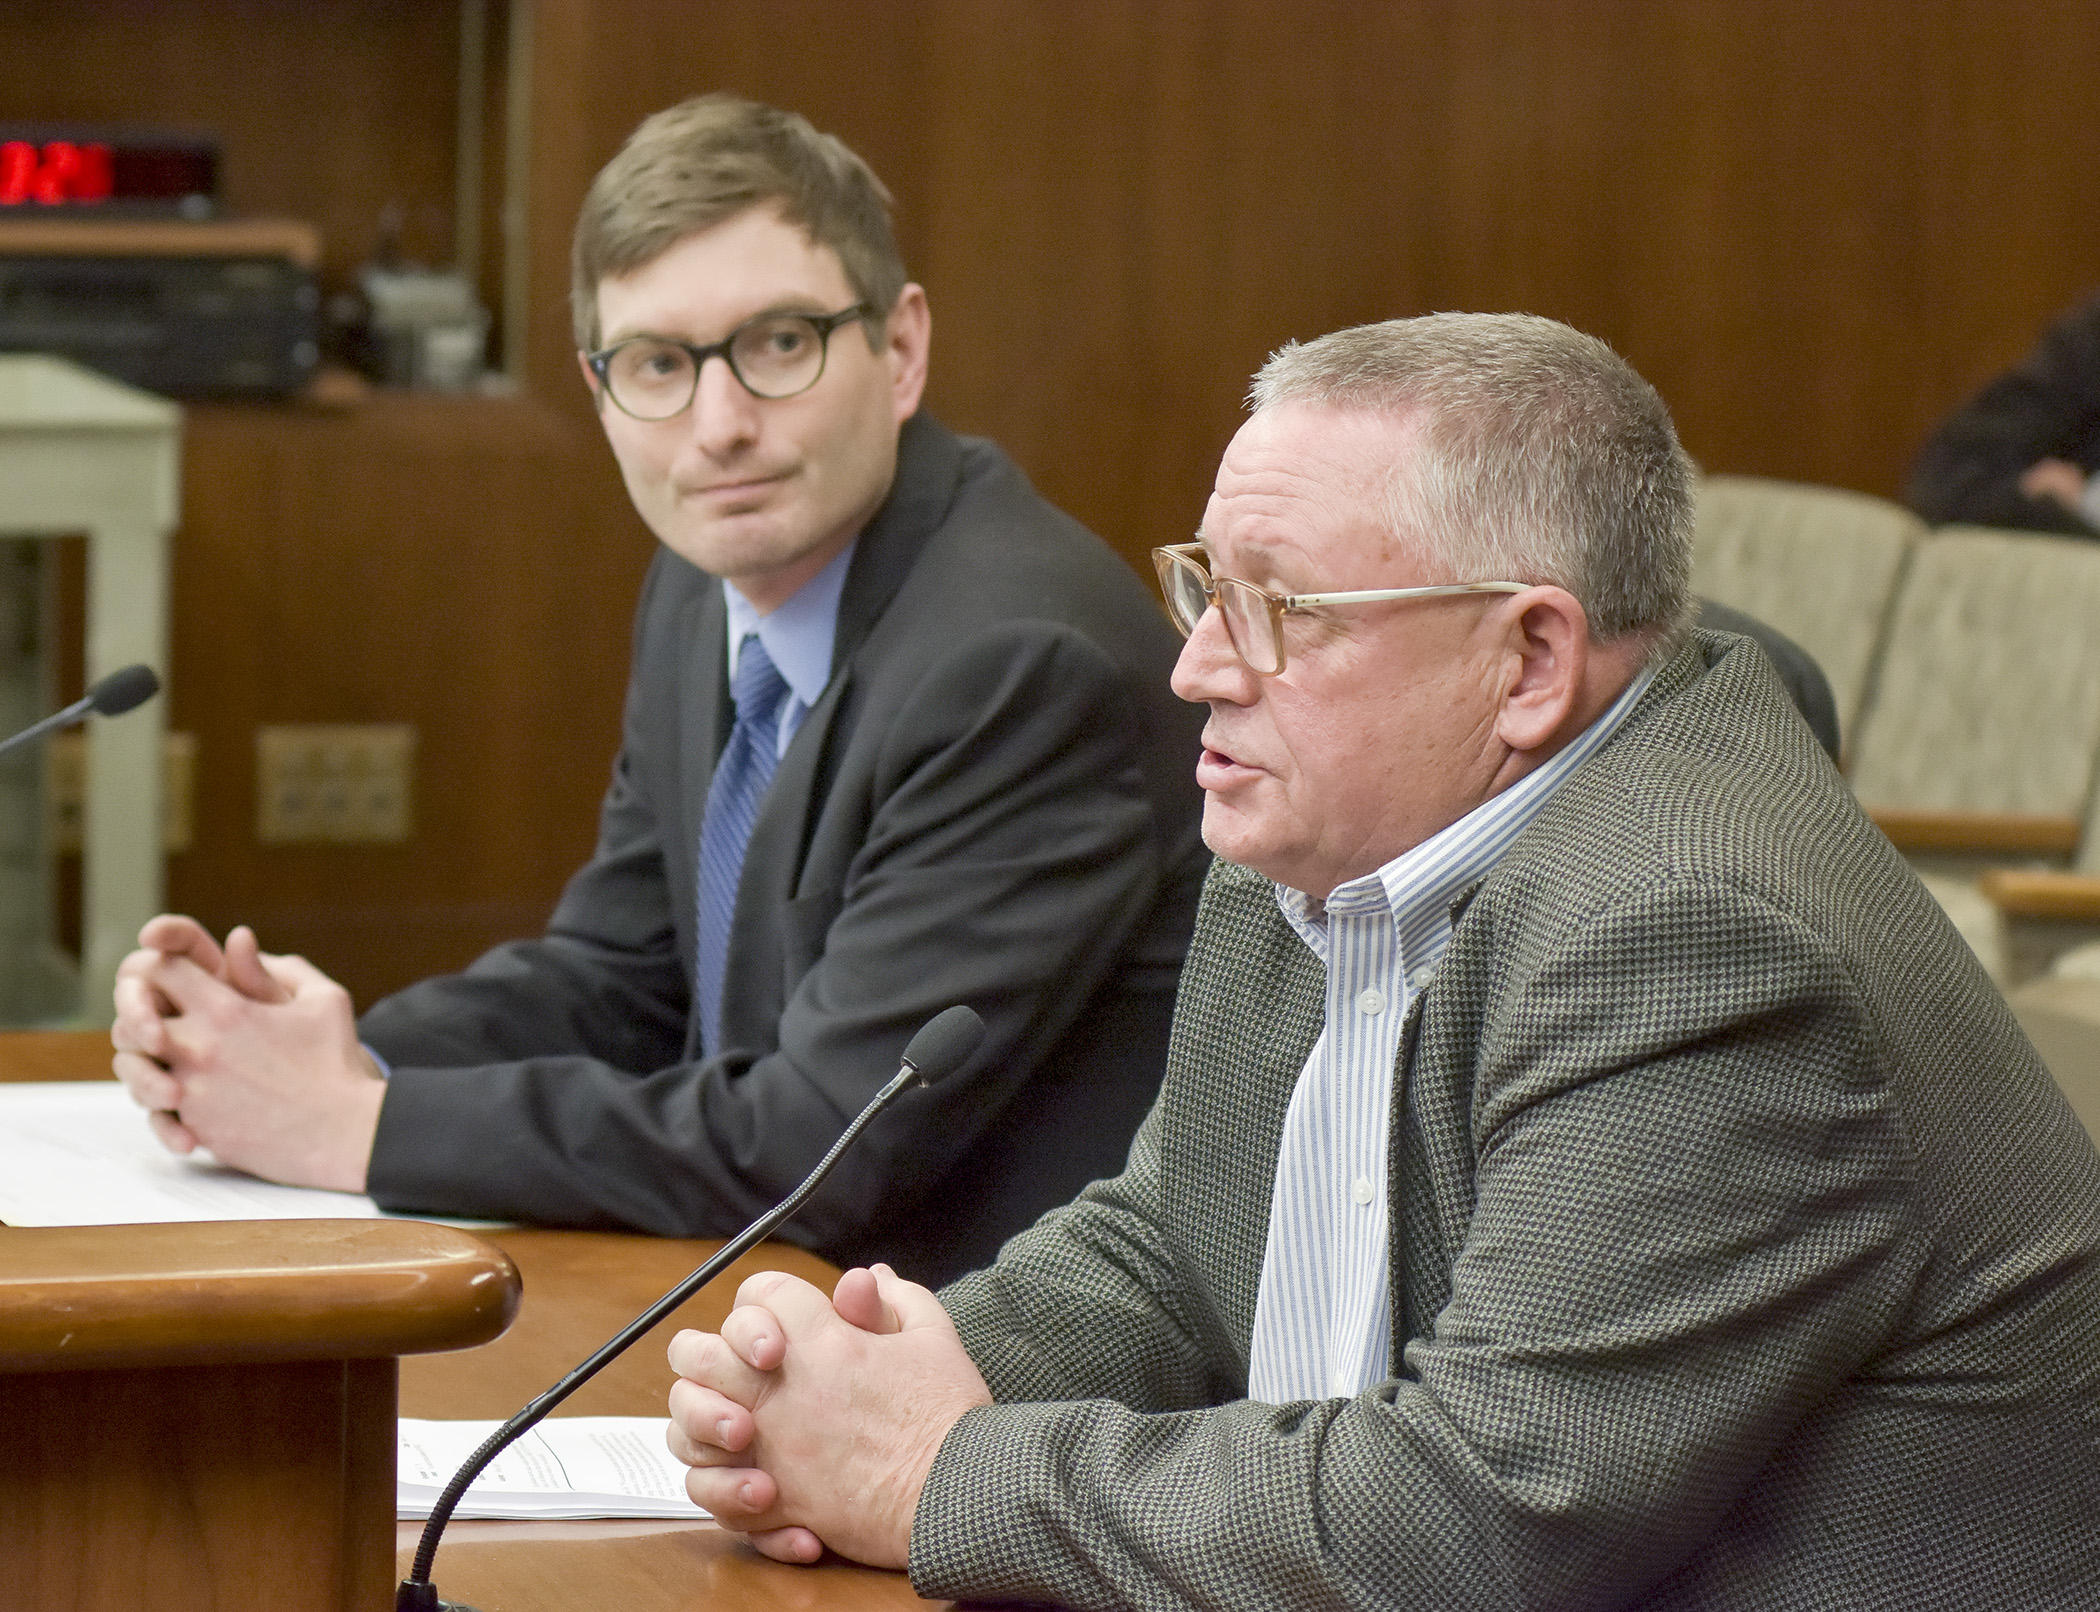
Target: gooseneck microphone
point(113, 696)
point(942, 1046)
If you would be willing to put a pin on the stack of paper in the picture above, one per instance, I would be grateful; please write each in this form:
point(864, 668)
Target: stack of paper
point(569, 1466)
point(82, 1153)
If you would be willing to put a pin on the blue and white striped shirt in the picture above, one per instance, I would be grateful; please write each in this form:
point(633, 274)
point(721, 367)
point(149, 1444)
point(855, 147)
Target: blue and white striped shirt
point(1323, 1315)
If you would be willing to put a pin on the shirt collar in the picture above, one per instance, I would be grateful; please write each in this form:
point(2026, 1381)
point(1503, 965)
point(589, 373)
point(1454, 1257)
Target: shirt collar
point(1418, 886)
point(798, 636)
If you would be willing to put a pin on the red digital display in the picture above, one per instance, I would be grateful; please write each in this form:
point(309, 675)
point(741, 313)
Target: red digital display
point(55, 173)
point(65, 166)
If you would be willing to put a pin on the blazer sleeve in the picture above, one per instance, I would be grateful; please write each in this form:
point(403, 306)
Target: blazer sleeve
point(2047, 407)
point(1691, 1221)
point(1010, 851)
point(604, 982)
point(1103, 1269)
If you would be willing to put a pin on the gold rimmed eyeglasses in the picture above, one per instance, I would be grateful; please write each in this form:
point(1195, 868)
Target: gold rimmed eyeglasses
point(1253, 615)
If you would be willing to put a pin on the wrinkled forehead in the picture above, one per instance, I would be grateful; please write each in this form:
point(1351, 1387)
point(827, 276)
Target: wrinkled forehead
point(1310, 481)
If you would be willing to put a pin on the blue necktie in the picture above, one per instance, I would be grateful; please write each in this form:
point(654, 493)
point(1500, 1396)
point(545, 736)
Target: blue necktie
point(733, 799)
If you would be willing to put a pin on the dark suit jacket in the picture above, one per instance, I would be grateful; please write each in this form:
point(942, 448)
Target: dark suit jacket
point(1744, 1256)
point(992, 804)
point(2046, 407)
point(1797, 670)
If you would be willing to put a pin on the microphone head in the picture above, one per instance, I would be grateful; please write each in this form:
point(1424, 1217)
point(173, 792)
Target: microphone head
point(120, 691)
point(944, 1044)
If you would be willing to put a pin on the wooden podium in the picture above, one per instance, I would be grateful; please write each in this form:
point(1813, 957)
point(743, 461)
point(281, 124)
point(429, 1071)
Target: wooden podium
point(202, 1416)
point(233, 1444)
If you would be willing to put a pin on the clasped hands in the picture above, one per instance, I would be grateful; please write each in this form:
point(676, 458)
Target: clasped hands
point(813, 1422)
point(2058, 479)
point(252, 1056)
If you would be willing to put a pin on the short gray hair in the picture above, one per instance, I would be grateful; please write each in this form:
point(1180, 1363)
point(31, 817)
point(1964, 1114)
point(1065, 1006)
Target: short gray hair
point(1545, 457)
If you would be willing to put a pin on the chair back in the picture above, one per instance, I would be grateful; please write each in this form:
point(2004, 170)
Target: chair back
point(1987, 696)
point(1819, 563)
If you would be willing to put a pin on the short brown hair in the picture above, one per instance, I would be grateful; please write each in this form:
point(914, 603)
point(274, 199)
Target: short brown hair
point(711, 157)
point(1547, 458)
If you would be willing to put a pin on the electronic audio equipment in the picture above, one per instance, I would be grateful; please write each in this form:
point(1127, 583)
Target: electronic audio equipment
point(217, 308)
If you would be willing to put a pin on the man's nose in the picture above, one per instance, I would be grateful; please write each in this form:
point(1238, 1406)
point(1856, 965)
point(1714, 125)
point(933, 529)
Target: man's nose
point(724, 414)
point(1210, 669)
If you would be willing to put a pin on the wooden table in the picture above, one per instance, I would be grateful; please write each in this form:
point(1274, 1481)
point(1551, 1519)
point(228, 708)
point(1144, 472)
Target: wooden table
point(580, 1288)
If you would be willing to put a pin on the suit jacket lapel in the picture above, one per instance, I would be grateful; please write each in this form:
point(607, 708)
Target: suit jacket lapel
point(703, 714)
point(1251, 1004)
point(1431, 1160)
point(929, 466)
point(1426, 1203)
point(929, 469)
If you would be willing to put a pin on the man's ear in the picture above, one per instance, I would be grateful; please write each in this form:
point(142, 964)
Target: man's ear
point(1549, 638)
point(907, 336)
point(590, 379)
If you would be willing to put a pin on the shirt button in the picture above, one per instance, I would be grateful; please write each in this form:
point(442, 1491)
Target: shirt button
point(1371, 1002)
point(1361, 1192)
point(1343, 1387)
point(1420, 978)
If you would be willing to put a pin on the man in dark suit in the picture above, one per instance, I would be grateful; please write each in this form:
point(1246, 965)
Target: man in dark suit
point(898, 736)
point(1590, 1171)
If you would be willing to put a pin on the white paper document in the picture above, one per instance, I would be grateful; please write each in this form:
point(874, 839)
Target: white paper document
point(567, 1467)
point(80, 1153)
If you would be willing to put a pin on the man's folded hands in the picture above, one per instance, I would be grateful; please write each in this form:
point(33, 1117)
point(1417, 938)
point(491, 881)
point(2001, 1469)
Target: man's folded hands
point(251, 1055)
point(811, 1422)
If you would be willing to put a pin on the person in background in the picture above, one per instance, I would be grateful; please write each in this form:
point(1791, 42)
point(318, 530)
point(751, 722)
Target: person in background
point(898, 736)
point(2023, 451)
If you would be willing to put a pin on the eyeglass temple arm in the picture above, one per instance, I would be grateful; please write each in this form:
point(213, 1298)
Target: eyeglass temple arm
point(1373, 595)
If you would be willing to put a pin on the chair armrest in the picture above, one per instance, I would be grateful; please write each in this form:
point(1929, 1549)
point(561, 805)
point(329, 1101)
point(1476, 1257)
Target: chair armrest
point(221, 1292)
point(2042, 893)
point(1977, 833)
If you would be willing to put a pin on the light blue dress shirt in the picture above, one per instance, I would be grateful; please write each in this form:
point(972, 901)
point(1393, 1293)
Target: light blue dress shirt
point(799, 637)
point(1323, 1314)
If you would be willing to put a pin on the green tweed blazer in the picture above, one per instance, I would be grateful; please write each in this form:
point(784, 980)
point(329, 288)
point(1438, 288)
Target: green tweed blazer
point(1744, 1255)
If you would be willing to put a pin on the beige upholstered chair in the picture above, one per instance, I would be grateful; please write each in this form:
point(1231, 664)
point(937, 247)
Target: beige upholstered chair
point(2060, 1010)
point(1819, 563)
point(2061, 1015)
point(1987, 698)
point(1982, 729)
point(1966, 669)
point(2070, 896)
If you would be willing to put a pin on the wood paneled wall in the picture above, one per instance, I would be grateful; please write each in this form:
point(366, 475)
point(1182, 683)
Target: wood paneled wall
point(1813, 226)
point(466, 565)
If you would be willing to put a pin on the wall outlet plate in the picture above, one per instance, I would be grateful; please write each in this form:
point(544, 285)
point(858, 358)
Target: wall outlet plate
point(335, 783)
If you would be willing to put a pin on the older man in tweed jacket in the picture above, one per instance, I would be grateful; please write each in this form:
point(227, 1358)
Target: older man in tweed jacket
point(1589, 1173)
